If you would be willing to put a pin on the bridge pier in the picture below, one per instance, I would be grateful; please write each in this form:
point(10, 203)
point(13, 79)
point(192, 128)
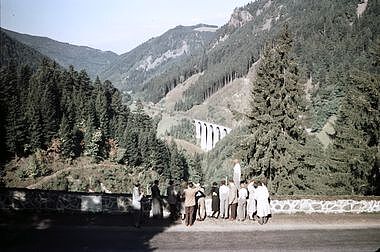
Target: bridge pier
point(208, 134)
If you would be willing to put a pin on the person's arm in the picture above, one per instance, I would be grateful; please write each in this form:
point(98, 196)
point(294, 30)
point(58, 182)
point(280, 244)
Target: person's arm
point(141, 196)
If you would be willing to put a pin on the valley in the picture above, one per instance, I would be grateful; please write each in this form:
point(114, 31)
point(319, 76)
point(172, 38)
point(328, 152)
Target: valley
point(296, 81)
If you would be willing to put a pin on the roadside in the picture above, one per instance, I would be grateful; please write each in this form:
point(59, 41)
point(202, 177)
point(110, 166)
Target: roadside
point(46, 220)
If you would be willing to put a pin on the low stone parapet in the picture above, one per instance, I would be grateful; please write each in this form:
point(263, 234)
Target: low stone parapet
point(29, 199)
point(325, 206)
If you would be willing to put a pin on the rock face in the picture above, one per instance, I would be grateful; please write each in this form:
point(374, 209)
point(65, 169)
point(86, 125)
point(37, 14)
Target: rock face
point(361, 8)
point(132, 69)
point(239, 18)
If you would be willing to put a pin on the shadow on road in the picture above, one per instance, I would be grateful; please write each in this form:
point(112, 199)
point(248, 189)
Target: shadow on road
point(34, 231)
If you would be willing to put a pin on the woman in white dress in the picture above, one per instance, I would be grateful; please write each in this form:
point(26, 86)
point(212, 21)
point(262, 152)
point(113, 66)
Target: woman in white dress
point(137, 196)
point(263, 206)
point(251, 203)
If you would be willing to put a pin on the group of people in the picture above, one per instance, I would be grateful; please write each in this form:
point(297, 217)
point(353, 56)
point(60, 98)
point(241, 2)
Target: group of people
point(237, 200)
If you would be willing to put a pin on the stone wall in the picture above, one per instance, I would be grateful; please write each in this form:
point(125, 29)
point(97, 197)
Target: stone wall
point(325, 206)
point(27, 199)
point(290, 206)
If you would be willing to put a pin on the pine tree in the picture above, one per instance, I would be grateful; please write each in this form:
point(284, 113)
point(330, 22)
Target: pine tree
point(17, 83)
point(177, 164)
point(277, 104)
point(356, 144)
point(66, 137)
point(46, 99)
point(133, 154)
point(102, 107)
point(194, 172)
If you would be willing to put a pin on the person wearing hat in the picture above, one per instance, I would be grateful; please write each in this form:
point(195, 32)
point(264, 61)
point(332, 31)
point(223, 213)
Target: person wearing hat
point(215, 200)
point(137, 196)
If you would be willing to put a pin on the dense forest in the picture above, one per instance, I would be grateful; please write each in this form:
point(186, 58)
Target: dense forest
point(275, 145)
point(329, 38)
point(51, 114)
point(59, 123)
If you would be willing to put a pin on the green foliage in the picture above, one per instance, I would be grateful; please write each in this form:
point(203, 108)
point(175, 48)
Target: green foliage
point(185, 130)
point(356, 143)
point(82, 57)
point(277, 104)
point(36, 167)
point(62, 106)
point(195, 169)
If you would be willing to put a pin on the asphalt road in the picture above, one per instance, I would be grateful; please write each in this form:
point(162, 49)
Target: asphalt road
point(112, 233)
point(126, 239)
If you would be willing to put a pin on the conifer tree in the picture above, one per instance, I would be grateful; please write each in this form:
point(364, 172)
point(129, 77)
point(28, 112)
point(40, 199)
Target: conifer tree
point(66, 137)
point(194, 172)
point(177, 164)
point(17, 82)
point(277, 104)
point(356, 144)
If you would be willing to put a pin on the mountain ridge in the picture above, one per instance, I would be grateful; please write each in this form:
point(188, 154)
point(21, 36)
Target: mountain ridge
point(66, 54)
point(132, 69)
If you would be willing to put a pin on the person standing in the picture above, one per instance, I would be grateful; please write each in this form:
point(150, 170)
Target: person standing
point(263, 207)
point(189, 195)
point(137, 196)
point(233, 199)
point(242, 201)
point(237, 173)
point(215, 200)
point(156, 200)
point(200, 199)
point(172, 195)
point(251, 203)
point(223, 196)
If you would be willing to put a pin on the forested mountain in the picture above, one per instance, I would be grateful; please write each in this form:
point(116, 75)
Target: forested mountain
point(81, 57)
point(50, 115)
point(133, 69)
point(335, 47)
point(15, 52)
point(329, 37)
point(290, 66)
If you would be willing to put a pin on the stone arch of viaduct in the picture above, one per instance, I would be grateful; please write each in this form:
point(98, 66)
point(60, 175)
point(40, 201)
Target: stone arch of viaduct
point(208, 134)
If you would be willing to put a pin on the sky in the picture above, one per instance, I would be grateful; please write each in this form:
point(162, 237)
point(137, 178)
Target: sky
point(116, 25)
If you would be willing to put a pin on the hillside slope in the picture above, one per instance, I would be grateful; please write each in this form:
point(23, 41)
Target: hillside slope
point(17, 53)
point(132, 69)
point(65, 54)
point(330, 37)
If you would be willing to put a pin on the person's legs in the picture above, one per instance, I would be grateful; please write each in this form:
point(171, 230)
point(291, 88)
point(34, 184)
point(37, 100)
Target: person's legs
point(261, 220)
point(188, 216)
point(244, 209)
point(202, 209)
point(191, 214)
point(222, 208)
point(173, 211)
point(241, 210)
point(137, 217)
point(233, 211)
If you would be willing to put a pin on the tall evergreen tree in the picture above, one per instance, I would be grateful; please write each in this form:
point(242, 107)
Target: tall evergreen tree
point(356, 144)
point(277, 104)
